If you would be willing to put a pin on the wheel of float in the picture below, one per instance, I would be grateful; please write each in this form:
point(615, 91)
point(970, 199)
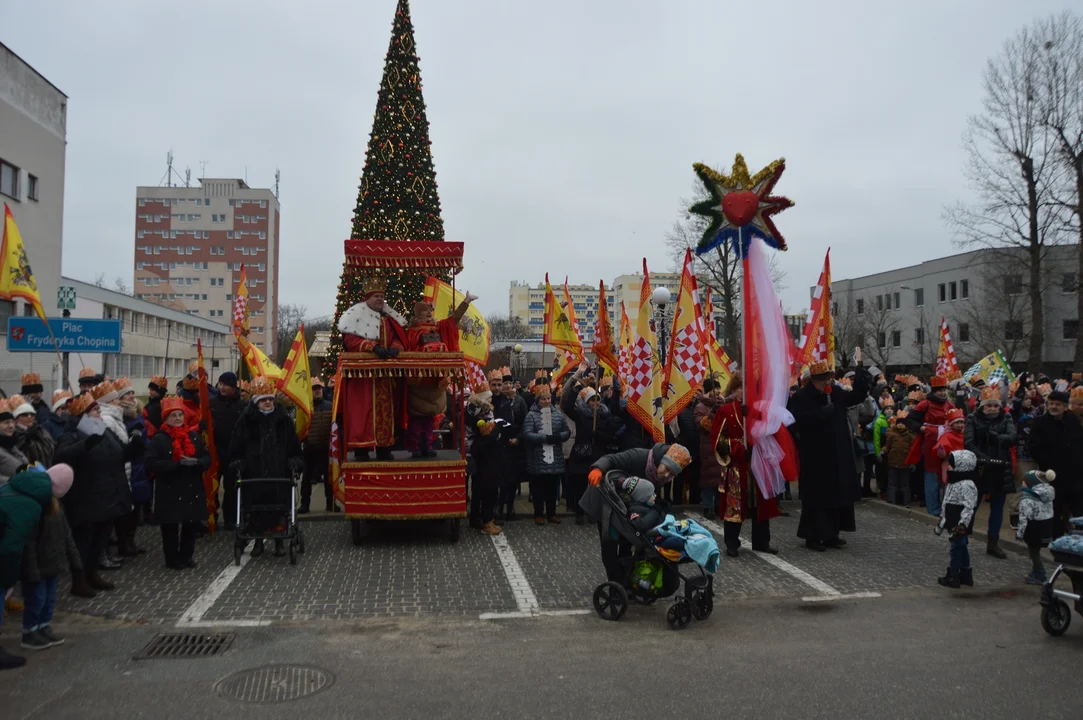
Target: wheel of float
point(679, 615)
point(610, 601)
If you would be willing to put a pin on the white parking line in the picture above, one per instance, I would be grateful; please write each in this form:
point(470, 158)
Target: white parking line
point(525, 599)
point(193, 616)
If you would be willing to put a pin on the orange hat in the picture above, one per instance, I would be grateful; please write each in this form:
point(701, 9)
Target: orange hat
point(172, 403)
point(159, 383)
point(87, 375)
point(32, 383)
point(937, 381)
point(82, 403)
point(990, 394)
point(1077, 393)
point(901, 415)
point(497, 374)
point(261, 388)
point(953, 415)
point(677, 458)
point(123, 386)
point(244, 386)
point(820, 368)
point(103, 392)
point(542, 390)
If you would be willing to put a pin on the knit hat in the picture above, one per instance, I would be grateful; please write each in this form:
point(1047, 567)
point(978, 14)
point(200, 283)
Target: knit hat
point(5, 411)
point(587, 393)
point(261, 389)
point(60, 399)
point(963, 460)
point(61, 476)
point(954, 415)
point(1036, 477)
point(676, 458)
point(19, 406)
point(638, 489)
point(159, 383)
point(31, 383)
point(990, 395)
point(229, 379)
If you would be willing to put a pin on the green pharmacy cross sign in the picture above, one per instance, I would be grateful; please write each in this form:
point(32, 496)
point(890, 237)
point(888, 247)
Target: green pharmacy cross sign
point(65, 297)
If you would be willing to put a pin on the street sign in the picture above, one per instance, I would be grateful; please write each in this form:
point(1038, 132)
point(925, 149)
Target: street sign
point(65, 297)
point(28, 334)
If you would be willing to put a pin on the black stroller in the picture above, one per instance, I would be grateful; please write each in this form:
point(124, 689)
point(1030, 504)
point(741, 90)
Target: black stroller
point(267, 510)
point(1056, 614)
point(611, 599)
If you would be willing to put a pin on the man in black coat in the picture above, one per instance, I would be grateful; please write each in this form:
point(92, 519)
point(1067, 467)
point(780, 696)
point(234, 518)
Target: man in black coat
point(317, 450)
point(828, 482)
point(1056, 443)
point(510, 408)
point(226, 408)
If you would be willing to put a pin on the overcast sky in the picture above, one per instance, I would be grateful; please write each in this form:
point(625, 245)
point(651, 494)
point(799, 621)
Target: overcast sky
point(563, 131)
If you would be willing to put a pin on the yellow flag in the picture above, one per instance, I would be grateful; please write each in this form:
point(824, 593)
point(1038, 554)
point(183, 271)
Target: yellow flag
point(558, 326)
point(686, 357)
point(473, 329)
point(624, 349)
point(16, 278)
point(296, 382)
point(645, 371)
point(258, 363)
point(719, 365)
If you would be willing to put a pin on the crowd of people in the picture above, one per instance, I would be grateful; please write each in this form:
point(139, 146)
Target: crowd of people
point(80, 474)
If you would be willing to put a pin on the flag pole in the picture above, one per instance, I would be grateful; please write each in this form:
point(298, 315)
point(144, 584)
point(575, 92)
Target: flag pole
point(56, 349)
point(744, 340)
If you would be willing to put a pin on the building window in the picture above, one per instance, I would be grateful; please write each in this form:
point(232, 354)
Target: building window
point(1013, 284)
point(953, 291)
point(919, 336)
point(142, 202)
point(881, 339)
point(262, 235)
point(1067, 283)
point(1013, 330)
point(860, 307)
point(897, 305)
point(963, 331)
point(229, 234)
point(32, 186)
point(1071, 329)
point(919, 297)
point(263, 203)
point(942, 292)
point(964, 289)
point(9, 180)
point(896, 338)
point(879, 302)
point(834, 308)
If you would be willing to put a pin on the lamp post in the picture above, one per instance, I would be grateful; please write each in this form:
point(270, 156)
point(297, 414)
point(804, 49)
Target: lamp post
point(660, 299)
point(921, 319)
point(517, 361)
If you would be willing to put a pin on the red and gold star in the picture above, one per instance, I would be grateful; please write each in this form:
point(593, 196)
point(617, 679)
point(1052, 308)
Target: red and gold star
point(741, 206)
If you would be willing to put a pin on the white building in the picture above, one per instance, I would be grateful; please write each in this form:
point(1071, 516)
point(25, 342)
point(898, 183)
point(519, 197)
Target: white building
point(33, 122)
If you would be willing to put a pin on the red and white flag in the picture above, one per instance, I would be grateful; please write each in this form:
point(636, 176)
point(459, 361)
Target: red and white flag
point(946, 364)
point(818, 339)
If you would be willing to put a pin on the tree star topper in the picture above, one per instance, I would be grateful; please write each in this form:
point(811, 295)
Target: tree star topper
point(741, 206)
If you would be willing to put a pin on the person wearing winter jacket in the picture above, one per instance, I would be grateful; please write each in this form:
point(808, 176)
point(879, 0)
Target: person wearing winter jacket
point(49, 551)
point(594, 428)
point(544, 431)
point(884, 420)
point(957, 516)
point(897, 449)
point(31, 438)
point(152, 411)
point(710, 471)
point(926, 419)
point(990, 435)
point(22, 500)
point(176, 459)
point(484, 457)
point(226, 409)
point(265, 445)
point(1056, 443)
point(11, 457)
point(1036, 527)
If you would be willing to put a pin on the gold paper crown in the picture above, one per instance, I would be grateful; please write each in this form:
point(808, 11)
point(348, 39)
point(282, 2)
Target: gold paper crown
point(990, 393)
point(123, 386)
point(481, 387)
point(936, 381)
point(496, 374)
point(87, 374)
point(505, 371)
point(374, 284)
point(820, 367)
point(1077, 393)
point(261, 386)
point(171, 403)
point(606, 381)
point(243, 385)
point(60, 394)
point(190, 383)
point(101, 390)
point(160, 381)
point(82, 403)
point(916, 396)
point(15, 401)
point(31, 378)
point(541, 390)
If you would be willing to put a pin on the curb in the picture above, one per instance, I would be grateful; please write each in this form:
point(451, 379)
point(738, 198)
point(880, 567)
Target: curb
point(922, 516)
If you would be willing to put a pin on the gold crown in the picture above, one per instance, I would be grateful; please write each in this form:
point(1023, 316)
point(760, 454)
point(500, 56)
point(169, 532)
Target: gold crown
point(171, 403)
point(87, 374)
point(374, 284)
point(991, 393)
point(541, 390)
point(937, 381)
point(496, 374)
point(31, 378)
point(82, 403)
point(261, 386)
point(101, 390)
point(160, 382)
point(820, 367)
point(15, 401)
point(123, 385)
point(1077, 393)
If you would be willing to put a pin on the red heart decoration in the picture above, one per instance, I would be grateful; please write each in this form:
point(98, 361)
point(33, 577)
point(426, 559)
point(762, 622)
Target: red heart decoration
point(17, 333)
point(740, 207)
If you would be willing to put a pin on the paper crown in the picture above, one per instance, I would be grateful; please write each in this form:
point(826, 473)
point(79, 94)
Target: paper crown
point(1077, 376)
point(606, 381)
point(936, 381)
point(915, 395)
point(887, 402)
point(496, 374)
point(1077, 393)
point(954, 375)
point(505, 372)
point(481, 387)
point(102, 391)
point(261, 388)
point(244, 386)
point(190, 383)
point(87, 374)
point(123, 386)
point(159, 382)
point(60, 397)
point(539, 374)
point(15, 402)
point(990, 394)
point(171, 403)
point(1044, 389)
point(901, 415)
point(541, 390)
point(819, 368)
point(32, 379)
point(82, 403)
point(953, 415)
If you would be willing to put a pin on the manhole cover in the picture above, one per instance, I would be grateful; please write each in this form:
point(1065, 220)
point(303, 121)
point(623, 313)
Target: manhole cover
point(186, 645)
point(275, 683)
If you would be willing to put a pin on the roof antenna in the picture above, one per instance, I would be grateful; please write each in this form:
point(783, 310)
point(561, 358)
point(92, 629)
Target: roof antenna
point(278, 177)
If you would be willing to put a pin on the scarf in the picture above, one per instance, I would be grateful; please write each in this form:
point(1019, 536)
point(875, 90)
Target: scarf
point(548, 451)
point(652, 469)
point(114, 420)
point(182, 442)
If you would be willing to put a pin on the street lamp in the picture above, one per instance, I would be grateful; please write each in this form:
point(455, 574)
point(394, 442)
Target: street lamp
point(517, 360)
point(921, 312)
point(660, 298)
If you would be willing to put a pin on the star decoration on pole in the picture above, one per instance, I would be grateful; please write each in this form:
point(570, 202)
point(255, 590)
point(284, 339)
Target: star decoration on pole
point(741, 206)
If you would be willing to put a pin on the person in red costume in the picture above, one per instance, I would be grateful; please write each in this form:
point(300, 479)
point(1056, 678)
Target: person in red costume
point(370, 408)
point(739, 494)
point(426, 398)
point(927, 420)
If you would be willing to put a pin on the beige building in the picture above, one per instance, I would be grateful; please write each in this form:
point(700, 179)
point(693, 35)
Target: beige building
point(155, 340)
point(190, 244)
point(528, 303)
point(33, 131)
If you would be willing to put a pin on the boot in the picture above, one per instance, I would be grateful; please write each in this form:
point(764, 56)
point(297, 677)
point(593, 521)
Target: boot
point(994, 549)
point(383, 453)
point(79, 586)
point(950, 579)
point(9, 661)
point(108, 562)
point(280, 548)
point(966, 577)
point(97, 582)
point(490, 528)
point(126, 547)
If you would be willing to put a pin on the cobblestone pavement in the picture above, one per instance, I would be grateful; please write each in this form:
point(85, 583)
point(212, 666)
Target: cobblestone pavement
point(410, 569)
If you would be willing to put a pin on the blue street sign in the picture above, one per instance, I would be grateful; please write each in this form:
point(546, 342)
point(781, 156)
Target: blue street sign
point(28, 334)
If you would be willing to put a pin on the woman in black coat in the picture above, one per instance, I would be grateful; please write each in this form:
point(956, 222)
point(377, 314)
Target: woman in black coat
point(1056, 443)
point(990, 434)
point(265, 445)
point(485, 458)
point(828, 480)
point(593, 429)
point(176, 459)
point(100, 493)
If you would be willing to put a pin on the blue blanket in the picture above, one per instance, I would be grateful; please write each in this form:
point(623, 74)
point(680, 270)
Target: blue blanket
point(698, 542)
point(1072, 544)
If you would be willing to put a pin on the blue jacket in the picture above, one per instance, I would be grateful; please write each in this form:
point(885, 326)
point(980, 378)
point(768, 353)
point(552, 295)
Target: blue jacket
point(699, 544)
point(535, 439)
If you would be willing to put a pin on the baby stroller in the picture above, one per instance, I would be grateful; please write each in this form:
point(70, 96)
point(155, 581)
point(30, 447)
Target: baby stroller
point(1068, 552)
point(611, 599)
point(267, 510)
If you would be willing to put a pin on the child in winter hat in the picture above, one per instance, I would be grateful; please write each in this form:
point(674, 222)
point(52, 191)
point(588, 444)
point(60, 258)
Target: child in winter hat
point(957, 515)
point(1036, 525)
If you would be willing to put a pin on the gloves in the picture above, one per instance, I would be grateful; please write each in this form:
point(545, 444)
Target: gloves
point(380, 351)
point(552, 439)
point(595, 477)
point(393, 352)
point(189, 461)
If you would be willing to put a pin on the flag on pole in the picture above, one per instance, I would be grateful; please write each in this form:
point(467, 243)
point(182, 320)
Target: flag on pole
point(257, 363)
point(624, 349)
point(686, 358)
point(645, 372)
point(818, 339)
point(571, 311)
point(475, 374)
point(560, 332)
point(334, 463)
point(719, 364)
point(295, 383)
point(993, 369)
point(16, 277)
point(473, 329)
point(946, 364)
point(240, 304)
point(603, 334)
point(210, 475)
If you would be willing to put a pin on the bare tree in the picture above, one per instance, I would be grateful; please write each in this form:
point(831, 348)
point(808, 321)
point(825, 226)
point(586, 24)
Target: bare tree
point(1013, 170)
point(120, 286)
point(1061, 62)
point(99, 280)
point(506, 327)
point(849, 328)
point(290, 318)
point(879, 323)
point(997, 315)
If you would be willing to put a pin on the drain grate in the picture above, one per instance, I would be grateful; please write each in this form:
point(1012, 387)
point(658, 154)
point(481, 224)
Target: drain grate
point(275, 683)
point(186, 645)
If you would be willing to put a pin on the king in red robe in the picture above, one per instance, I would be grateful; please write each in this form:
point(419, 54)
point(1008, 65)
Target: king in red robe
point(371, 409)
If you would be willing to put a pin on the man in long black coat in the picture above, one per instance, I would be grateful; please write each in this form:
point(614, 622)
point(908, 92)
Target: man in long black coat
point(828, 482)
point(1056, 443)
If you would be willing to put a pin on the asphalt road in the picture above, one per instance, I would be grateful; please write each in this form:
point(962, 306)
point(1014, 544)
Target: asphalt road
point(908, 654)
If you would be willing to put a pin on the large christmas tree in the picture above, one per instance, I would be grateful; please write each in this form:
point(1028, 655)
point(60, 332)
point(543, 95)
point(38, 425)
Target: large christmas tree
point(397, 198)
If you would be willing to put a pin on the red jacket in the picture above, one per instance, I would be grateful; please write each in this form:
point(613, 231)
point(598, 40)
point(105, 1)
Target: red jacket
point(949, 442)
point(926, 420)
